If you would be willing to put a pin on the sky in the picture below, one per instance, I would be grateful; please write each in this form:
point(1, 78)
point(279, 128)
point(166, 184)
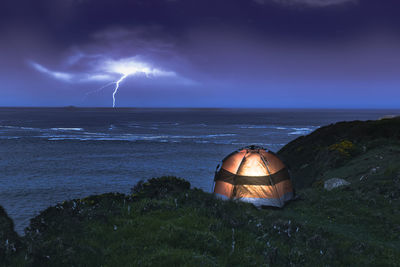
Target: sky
point(208, 53)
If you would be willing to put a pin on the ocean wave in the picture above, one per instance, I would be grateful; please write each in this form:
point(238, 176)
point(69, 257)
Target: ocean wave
point(9, 137)
point(87, 136)
point(302, 129)
point(18, 127)
point(202, 142)
point(265, 127)
point(9, 127)
point(220, 135)
point(75, 138)
point(67, 129)
point(129, 137)
point(90, 133)
point(135, 126)
point(297, 128)
point(138, 126)
point(299, 132)
point(254, 127)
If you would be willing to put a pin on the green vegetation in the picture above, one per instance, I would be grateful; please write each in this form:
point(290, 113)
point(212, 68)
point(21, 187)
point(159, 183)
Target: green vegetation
point(344, 147)
point(166, 223)
point(10, 243)
point(340, 147)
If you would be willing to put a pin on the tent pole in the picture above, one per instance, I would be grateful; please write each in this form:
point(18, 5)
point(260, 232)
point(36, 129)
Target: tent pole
point(240, 165)
point(273, 185)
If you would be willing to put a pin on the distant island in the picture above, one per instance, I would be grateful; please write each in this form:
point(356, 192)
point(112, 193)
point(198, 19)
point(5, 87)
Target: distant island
point(165, 222)
point(70, 107)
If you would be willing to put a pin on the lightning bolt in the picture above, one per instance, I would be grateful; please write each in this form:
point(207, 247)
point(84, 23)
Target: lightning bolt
point(124, 67)
point(131, 66)
point(117, 86)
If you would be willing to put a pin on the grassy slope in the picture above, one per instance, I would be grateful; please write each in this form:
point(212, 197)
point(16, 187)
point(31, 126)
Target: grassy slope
point(313, 157)
point(10, 243)
point(166, 223)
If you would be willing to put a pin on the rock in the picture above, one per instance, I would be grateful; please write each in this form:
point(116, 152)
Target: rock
point(334, 183)
point(374, 170)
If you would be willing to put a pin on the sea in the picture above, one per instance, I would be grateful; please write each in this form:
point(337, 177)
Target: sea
point(49, 155)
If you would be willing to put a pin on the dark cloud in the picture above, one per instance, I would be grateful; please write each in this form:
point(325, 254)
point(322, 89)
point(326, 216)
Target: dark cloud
point(73, 21)
point(214, 46)
point(310, 3)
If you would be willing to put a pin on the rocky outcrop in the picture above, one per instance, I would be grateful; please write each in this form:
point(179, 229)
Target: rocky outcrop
point(335, 183)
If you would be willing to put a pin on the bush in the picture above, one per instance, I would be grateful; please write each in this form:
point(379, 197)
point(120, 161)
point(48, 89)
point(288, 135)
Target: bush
point(10, 242)
point(345, 148)
point(160, 187)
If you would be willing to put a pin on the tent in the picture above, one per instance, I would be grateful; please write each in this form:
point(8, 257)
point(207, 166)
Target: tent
point(254, 174)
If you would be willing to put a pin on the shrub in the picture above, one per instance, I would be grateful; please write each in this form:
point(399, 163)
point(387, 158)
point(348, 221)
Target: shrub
point(160, 187)
point(345, 148)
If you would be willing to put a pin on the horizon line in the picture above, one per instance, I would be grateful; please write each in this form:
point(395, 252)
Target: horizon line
point(159, 107)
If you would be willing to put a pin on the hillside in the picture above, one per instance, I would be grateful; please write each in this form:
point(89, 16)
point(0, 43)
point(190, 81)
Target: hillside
point(164, 222)
point(346, 149)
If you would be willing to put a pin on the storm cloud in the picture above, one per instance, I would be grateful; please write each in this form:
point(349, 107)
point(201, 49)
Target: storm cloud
point(312, 3)
point(301, 52)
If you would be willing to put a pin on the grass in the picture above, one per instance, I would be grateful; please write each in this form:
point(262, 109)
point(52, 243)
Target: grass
point(164, 222)
point(310, 158)
point(181, 226)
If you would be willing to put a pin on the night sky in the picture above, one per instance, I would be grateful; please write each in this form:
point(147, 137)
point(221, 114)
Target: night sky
point(200, 53)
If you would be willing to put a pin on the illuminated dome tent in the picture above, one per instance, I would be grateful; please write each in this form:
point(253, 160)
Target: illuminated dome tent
point(256, 175)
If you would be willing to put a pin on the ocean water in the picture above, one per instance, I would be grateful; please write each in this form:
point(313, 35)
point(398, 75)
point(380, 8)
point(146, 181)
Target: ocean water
point(48, 155)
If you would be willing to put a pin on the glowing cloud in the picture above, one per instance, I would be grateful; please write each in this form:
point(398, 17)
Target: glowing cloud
point(107, 71)
point(55, 74)
point(130, 66)
point(71, 77)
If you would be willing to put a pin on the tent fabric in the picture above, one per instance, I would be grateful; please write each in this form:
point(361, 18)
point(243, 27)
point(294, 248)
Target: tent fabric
point(228, 177)
point(254, 175)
